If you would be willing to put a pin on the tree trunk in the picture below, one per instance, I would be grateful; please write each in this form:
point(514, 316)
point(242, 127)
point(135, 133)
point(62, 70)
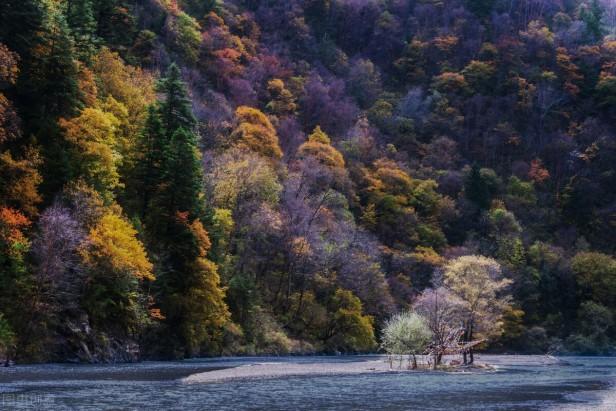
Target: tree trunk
point(470, 338)
point(466, 339)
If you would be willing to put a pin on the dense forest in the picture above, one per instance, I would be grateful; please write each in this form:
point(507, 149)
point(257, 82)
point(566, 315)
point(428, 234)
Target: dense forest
point(199, 177)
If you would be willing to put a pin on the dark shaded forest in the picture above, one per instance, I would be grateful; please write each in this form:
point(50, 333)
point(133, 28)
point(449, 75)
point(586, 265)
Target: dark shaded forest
point(197, 177)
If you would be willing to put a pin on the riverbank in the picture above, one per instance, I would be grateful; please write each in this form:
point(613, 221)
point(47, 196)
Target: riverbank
point(522, 359)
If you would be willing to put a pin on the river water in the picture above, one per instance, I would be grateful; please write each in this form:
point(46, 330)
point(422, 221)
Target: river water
point(519, 383)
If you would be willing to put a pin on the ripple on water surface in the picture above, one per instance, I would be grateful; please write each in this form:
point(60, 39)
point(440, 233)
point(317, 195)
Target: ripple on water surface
point(521, 383)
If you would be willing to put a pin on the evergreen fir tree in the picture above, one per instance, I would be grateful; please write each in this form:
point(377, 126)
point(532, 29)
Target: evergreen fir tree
point(80, 18)
point(176, 110)
point(47, 87)
point(146, 175)
point(50, 86)
point(188, 285)
point(176, 173)
point(182, 177)
point(591, 14)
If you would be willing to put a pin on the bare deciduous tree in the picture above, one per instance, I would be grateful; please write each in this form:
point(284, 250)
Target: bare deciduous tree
point(443, 312)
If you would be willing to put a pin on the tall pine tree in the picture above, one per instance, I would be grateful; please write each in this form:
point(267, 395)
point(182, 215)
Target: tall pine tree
point(47, 86)
point(188, 285)
point(172, 153)
point(175, 110)
point(80, 19)
point(182, 176)
point(145, 177)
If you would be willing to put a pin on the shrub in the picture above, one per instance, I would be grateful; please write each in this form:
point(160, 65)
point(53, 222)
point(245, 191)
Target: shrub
point(406, 333)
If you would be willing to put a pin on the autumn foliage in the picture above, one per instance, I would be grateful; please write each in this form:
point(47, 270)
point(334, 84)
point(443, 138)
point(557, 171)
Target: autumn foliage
point(186, 178)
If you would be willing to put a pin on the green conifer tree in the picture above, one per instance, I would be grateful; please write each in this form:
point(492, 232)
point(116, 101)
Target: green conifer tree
point(50, 84)
point(146, 175)
point(80, 19)
point(182, 177)
point(176, 109)
point(188, 285)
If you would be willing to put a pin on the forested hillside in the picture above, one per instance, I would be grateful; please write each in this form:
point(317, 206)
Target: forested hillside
point(201, 177)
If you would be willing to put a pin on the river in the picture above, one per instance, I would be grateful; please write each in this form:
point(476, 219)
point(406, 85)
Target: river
point(519, 383)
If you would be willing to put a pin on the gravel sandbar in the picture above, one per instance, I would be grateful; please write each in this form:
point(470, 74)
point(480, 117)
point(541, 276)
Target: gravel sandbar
point(381, 365)
point(276, 369)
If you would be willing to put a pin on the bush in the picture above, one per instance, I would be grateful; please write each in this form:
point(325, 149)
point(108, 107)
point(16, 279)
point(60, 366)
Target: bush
point(406, 333)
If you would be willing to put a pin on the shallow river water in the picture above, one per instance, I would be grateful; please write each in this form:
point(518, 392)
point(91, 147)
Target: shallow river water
point(519, 383)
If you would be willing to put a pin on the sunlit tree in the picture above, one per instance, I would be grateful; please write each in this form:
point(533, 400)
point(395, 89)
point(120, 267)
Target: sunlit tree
point(479, 283)
point(406, 333)
point(255, 132)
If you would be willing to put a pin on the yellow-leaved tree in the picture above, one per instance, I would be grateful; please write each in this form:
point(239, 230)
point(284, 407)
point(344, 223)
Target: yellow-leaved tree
point(116, 264)
point(19, 180)
point(127, 92)
point(205, 301)
point(114, 241)
point(129, 85)
point(348, 329)
point(282, 100)
point(319, 146)
point(479, 283)
point(255, 132)
point(193, 302)
point(92, 135)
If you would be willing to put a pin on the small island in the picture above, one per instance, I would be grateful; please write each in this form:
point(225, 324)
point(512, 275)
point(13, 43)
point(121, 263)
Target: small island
point(468, 302)
point(378, 364)
point(290, 369)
